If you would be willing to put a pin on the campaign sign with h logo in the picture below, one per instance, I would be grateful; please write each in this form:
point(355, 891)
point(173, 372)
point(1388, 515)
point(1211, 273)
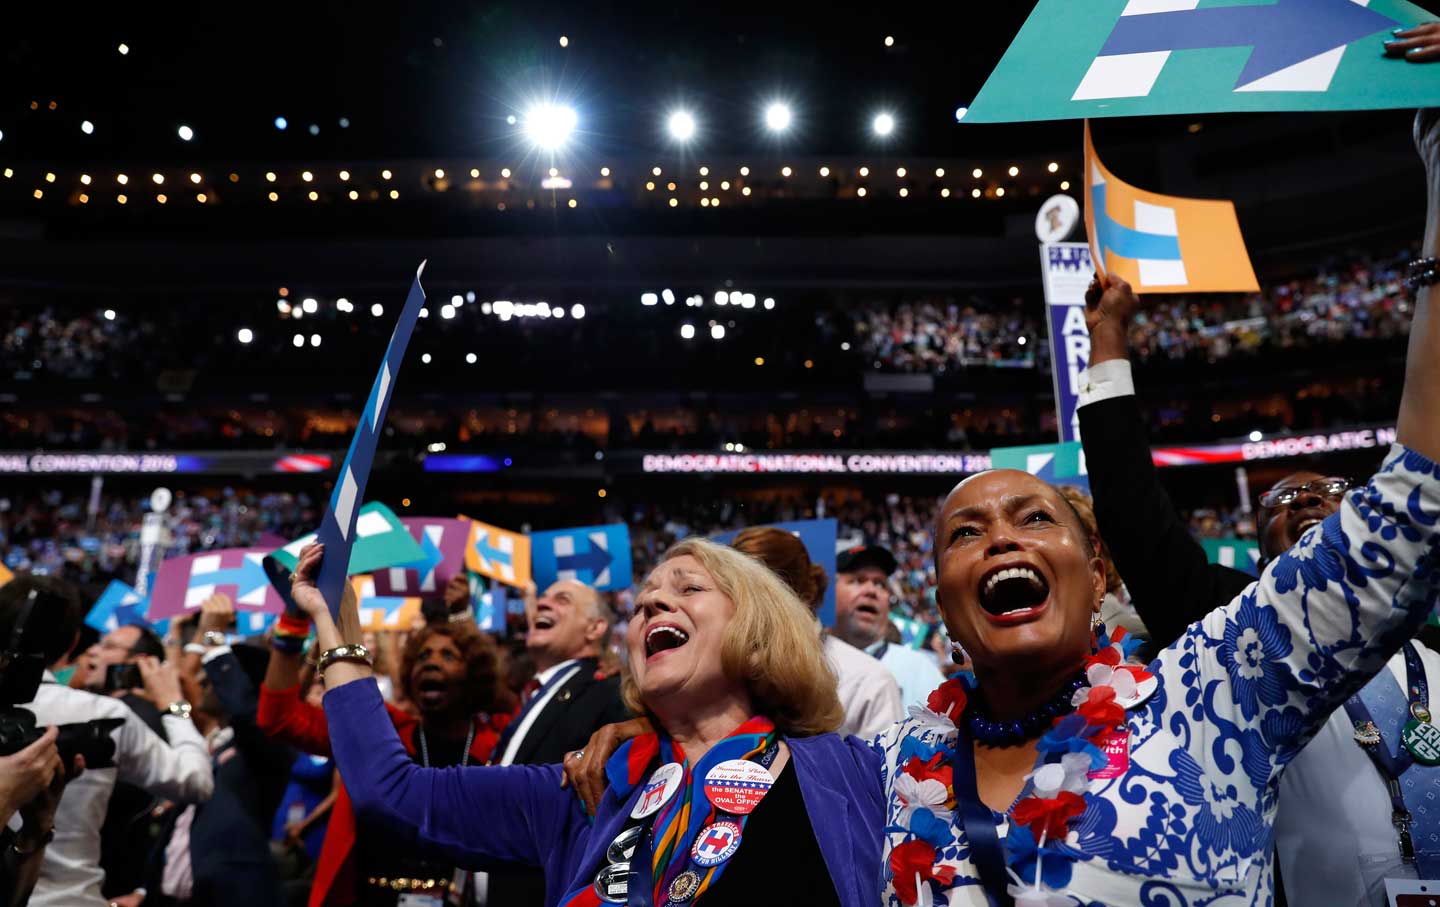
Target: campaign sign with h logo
point(337, 526)
point(818, 537)
point(1058, 464)
point(498, 553)
point(1163, 243)
point(1112, 58)
point(442, 541)
point(1066, 269)
point(383, 612)
point(1240, 554)
point(597, 556)
point(118, 606)
point(183, 583)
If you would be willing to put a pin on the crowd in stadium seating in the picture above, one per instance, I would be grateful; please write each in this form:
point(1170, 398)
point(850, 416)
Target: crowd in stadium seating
point(1359, 298)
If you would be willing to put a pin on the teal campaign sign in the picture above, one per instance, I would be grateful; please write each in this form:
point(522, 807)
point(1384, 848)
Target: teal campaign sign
point(1110, 58)
point(1241, 554)
point(1058, 464)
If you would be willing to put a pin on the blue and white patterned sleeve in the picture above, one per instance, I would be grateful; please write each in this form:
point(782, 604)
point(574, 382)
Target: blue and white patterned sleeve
point(1266, 671)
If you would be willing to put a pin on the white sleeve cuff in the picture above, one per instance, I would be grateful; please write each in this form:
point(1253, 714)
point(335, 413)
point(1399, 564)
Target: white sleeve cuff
point(214, 653)
point(1111, 378)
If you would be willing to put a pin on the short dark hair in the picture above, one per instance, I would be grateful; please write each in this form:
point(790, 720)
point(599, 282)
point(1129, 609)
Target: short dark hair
point(57, 593)
point(149, 642)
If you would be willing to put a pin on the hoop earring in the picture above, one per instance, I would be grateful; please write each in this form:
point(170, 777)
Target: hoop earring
point(958, 653)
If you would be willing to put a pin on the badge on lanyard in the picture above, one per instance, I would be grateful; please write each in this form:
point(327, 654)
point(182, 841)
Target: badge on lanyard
point(623, 847)
point(416, 899)
point(1366, 733)
point(1419, 712)
point(658, 790)
point(684, 887)
point(1422, 740)
point(737, 785)
point(612, 883)
point(716, 843)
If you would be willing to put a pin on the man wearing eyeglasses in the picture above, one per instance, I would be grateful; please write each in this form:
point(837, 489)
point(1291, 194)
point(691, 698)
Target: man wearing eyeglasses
point(1353, 780)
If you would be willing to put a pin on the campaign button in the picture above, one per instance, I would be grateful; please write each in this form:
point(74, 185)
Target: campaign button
point(737, 785)
point(716, 843)
point(658, 790)
point(612, 883)
point(623, 847)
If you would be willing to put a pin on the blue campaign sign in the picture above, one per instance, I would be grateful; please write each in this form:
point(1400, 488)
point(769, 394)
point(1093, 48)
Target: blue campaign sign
point(597, 556)
point(818, 537)
point(118, 606)
point(337, 527)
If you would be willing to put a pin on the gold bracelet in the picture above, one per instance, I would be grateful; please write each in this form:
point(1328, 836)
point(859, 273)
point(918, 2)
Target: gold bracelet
point(355, 652)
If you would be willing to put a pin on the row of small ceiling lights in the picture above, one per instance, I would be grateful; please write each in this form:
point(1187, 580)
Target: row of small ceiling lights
point(86, 181)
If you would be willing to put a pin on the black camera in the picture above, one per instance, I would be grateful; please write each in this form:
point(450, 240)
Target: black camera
point(22, 666)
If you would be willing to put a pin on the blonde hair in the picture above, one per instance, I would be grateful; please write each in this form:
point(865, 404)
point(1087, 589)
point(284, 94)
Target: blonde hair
point(771, 644)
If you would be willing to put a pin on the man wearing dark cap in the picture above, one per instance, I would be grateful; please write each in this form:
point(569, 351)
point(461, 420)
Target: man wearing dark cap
point(862, 618)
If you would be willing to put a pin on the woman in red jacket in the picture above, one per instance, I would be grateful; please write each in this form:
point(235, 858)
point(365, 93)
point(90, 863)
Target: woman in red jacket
point(451, 673)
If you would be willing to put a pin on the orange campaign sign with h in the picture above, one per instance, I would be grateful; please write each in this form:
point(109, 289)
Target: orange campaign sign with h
point(1162, 243)
point(498, 553)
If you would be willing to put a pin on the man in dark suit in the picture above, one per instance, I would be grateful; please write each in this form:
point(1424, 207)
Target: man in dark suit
point(218, 853)
point(561, 707)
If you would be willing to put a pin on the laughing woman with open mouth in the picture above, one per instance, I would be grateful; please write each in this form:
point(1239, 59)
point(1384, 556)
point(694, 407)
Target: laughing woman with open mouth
point(742, 798)
point(1066, 776)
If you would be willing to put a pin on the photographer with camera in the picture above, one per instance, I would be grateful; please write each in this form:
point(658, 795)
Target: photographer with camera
point(31, 782)
point(39, 620)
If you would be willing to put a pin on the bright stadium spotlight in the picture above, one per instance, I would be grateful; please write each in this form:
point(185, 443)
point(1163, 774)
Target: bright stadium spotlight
point(649, 299)
point(447, 312)
point(960, 113)
point(298, 340)
point(185, 133)
point(681, 125)
point(717, 331)
point(282, 124)
point(244, 335)
point(314, 339)
point(311, 306)
point(777, 116)
point(577, 311)
point(549, 125)
point(687, 332)
point(883, 124)
point(377, 310)
point(87, 127)
point(668, 295)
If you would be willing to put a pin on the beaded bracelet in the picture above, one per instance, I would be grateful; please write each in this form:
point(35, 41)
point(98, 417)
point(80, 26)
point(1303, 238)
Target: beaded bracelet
point(1422, 272)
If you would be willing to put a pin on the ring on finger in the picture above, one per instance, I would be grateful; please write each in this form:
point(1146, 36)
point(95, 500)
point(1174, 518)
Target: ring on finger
point(577, 754)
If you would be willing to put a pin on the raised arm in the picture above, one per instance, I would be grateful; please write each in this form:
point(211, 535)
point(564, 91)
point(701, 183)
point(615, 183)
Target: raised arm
point(482, 817)
point(1164, 567)
point(1326, 614)
point(1418, 427)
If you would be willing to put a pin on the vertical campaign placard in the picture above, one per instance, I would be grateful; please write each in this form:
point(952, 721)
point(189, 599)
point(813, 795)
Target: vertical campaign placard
point(597, 556)
point(819, 538)
point(1058, 464)
point(442, 542)
point(183, 583)
point(1239, 554)
point(498, 553)
point(337, 526)
point(1066, 270)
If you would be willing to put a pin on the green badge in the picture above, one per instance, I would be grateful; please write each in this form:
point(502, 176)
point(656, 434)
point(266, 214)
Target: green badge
point(1423, 741)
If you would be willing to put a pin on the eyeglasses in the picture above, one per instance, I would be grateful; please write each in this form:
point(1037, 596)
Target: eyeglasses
point(1332, 488)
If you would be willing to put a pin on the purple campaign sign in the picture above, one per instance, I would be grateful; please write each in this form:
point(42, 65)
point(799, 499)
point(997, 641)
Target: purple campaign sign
point(443, 540)
point(337, 527)
point(183, 583)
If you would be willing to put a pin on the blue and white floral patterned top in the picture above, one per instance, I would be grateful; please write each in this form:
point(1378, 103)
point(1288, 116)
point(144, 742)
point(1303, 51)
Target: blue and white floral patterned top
point(1190, 822)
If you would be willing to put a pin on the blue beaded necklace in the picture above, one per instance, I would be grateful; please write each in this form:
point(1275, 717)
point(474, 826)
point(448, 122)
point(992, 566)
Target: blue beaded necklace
point(987, 731)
